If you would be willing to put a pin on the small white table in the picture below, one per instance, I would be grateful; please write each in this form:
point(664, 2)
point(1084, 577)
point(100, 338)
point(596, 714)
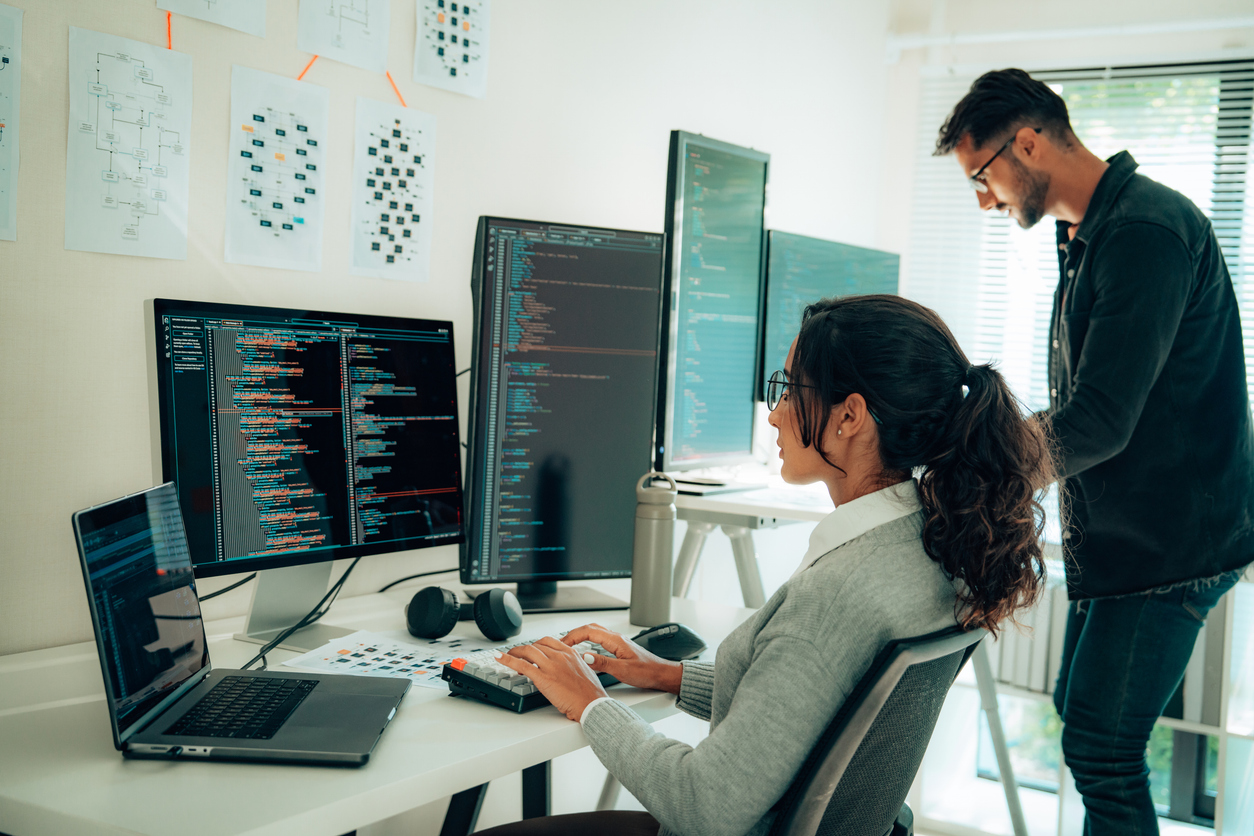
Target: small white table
point(59, 772)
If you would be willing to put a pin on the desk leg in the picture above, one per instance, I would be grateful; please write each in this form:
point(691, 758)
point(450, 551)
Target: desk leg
point(988, 700)
point(536, 785)
point(463, 811)
point(609, 794)
point(746, 565)
point(689, 552)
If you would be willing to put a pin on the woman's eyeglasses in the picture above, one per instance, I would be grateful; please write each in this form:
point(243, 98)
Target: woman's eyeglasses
point(777, 388)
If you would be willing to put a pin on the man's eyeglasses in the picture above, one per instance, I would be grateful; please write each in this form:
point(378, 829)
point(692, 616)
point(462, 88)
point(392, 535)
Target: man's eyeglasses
point(975, 179)
point(777, 387)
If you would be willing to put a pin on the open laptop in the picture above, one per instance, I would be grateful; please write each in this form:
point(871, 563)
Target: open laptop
point(166, 700)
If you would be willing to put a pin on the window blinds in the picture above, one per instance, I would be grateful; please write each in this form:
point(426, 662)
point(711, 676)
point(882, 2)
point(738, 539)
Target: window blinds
point(1187, 125)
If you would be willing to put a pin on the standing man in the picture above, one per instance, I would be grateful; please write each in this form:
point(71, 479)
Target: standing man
point(1149, 408)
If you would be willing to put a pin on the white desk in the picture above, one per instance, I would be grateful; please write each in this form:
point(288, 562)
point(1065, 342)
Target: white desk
point(59, 772)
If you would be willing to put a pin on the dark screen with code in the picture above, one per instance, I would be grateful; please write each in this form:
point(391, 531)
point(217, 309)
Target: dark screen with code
point(301, 436)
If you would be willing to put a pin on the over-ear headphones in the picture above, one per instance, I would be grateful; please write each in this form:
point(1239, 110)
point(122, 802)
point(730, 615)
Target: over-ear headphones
point(433, 611)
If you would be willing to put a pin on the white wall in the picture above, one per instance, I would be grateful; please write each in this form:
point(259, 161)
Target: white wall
point(581, 98)
point(902, 131)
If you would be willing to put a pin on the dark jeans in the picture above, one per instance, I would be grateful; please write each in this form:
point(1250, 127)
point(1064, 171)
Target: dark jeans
point(1122, 660)
point(607, 823)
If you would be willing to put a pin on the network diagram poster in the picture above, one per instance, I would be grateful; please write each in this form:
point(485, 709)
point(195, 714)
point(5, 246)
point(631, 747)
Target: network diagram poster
point(245, 15)
point(126, 169)
point(452, 45)
point(10, 109)
point(274, 198)
point(352, 31)
point(392, 191)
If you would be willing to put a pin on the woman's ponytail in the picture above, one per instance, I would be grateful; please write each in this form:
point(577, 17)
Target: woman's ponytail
point(980, 490)
point(981, 463)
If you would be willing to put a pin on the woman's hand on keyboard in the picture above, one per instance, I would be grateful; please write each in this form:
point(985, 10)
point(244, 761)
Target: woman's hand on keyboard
point(631, 663)
point(559, 674)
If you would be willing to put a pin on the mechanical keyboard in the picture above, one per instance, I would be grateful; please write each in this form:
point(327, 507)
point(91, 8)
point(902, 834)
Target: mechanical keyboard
point(481, 677)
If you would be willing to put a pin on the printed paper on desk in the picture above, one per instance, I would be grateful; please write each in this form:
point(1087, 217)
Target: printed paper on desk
point(374, 654)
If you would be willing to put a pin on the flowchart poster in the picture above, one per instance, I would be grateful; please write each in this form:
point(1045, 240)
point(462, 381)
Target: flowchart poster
point(452, 45)
point(392, 191)
point(351, 31)
point(126, 167)
point(10, 109)
point(274, 198)
point(245, 15)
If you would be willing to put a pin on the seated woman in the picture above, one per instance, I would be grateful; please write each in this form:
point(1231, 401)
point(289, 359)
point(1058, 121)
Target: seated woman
point(876, 390)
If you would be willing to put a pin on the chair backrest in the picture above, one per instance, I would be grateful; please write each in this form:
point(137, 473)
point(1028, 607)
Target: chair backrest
point(858, 774)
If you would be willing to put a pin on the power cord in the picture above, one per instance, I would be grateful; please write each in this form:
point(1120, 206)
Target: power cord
point(320, 609)
point(227, 589)
point(420, 575)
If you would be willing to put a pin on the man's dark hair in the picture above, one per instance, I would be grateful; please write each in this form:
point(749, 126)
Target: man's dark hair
point(999, 102)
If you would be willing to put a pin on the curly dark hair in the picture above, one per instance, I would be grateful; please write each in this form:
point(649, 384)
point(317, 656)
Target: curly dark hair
point(1001, 102)
point(982, 464)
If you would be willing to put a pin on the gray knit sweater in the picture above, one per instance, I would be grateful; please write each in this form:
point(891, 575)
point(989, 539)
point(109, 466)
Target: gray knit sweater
point(777, 681)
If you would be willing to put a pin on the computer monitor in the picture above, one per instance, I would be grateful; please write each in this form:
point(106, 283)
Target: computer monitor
point(801, 270)
point(711, 335)
point(299, 437)
point(563, 380)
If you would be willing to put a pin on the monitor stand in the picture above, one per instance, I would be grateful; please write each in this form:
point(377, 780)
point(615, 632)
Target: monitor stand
point(282, 597)
point(547, 596)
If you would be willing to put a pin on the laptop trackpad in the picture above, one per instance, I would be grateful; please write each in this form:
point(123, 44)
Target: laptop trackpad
point(347, 714)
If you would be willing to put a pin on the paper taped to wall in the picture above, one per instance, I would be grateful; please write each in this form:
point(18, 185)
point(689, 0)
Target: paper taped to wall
point(452, 47)
point(10, 112)
point(392, 191)
point(274, 198)
point(352, 31)
point(126, 162)
point(245, 15)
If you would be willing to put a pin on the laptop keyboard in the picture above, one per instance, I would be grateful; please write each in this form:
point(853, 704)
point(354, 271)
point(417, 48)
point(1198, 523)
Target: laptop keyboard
point(244, 707)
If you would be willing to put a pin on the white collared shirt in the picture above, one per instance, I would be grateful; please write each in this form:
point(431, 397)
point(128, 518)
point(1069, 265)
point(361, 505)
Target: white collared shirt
point(853, 519)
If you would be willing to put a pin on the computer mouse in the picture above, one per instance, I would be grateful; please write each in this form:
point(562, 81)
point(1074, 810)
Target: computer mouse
point(671, 641)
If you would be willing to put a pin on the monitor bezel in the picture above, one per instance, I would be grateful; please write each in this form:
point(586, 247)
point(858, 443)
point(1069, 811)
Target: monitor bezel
point(163, 458)
point(474, 492)
point(664, 429)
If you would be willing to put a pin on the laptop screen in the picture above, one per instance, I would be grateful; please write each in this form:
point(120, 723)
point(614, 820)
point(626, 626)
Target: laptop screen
point(143, 596)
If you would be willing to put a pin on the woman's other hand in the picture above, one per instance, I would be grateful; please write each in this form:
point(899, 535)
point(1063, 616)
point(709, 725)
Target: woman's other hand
point(631, 663)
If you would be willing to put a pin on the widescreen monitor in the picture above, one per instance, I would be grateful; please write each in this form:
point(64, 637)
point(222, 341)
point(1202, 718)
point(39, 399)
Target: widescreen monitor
point(801, 270)
point(714, 265)
point(299, 437)
point(563, 381)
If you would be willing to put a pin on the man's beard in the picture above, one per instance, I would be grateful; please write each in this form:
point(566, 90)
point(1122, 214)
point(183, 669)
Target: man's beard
point(1032, 188)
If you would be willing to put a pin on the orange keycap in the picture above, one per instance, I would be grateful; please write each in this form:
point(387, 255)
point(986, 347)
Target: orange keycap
point(457, 664)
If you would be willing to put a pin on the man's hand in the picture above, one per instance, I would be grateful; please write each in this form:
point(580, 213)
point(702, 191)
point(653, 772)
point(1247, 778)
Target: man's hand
point(558, 673)
point(631, 663)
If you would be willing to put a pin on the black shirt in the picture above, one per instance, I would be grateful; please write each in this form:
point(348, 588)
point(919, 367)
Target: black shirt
point(1148, 398)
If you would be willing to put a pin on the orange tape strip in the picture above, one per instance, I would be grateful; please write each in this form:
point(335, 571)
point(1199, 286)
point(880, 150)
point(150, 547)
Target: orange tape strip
point(396, 89)
point(169, 40)
point(307, 66)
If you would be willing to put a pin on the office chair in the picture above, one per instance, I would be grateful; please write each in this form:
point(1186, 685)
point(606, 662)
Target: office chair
point(855, 781)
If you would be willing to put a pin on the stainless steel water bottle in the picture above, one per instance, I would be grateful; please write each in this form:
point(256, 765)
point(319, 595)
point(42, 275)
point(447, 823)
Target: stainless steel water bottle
point(653, 550)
